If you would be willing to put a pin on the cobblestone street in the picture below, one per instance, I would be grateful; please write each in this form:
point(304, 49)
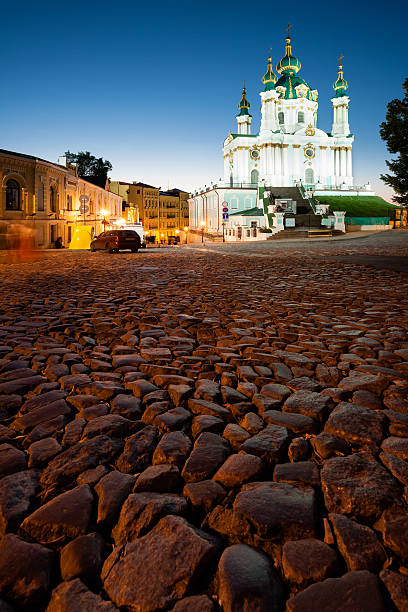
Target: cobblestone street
point(206, 428)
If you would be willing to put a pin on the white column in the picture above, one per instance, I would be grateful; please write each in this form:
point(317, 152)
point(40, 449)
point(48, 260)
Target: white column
point(343, 155)
point(278, 160)
point(296, 160)
point(323, 169)
point(285, 171)
point(332, 166)
point(349, 166)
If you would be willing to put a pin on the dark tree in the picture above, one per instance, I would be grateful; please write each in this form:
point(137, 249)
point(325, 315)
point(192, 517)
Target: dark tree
point(394, 130)
point(91, 168)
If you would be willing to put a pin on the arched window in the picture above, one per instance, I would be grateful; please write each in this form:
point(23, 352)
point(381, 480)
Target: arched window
point(254, 177)
point(301, 117)
point(231, 180)
point(53, 199)
point(309, 176)
point(13, 195)
point(281, 118)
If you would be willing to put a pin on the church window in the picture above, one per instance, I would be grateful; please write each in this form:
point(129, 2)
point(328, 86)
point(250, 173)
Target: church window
point(254, 177)
point(248, 203)
point(281, 118)
point(301, 117)
point(309, 176)
point(69, 202)
point(234, 202)
point(13, 195)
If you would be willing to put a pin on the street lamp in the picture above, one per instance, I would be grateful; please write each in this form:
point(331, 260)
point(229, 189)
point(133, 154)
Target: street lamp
point(104, 222)
point(186, 230)
point(202, 230)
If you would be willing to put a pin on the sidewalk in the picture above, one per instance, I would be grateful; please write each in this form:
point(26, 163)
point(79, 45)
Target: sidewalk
point(347, 236)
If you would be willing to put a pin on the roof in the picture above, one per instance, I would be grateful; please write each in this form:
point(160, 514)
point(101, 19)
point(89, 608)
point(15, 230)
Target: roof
point(33, 157)
point(251, 212)
point(291, 81)
point(145, 185)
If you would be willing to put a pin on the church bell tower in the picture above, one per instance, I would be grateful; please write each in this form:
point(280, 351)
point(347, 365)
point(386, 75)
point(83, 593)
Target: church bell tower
point(244, 118)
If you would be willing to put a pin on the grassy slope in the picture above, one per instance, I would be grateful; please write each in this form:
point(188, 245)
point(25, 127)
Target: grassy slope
point(359, 206)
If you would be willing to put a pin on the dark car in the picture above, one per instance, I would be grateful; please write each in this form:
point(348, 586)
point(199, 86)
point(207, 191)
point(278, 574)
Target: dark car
point(117, 240)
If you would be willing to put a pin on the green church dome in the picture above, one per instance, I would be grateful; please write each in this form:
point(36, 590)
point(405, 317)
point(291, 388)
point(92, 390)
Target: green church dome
point(288, 64)
point(291, 82)
point(269, 78)
point(340, 86)
point(244, 104)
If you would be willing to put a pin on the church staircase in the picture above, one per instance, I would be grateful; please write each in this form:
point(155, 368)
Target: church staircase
point(305, 218)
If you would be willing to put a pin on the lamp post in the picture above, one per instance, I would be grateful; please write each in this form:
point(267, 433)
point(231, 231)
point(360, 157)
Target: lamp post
point(186, 230)
point(202, 230)
point(104, 222)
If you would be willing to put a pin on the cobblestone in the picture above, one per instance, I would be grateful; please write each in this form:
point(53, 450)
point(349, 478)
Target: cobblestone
point(254, 391)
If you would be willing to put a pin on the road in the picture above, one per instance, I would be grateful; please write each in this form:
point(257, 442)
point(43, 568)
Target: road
point(181, 401)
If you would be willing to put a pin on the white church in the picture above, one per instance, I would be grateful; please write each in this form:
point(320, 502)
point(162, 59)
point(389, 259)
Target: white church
point(290, 158)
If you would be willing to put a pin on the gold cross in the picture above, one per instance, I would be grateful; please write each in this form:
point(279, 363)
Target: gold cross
point(270, 49)
point(340, 58)
point(244, 83)
point(288, 29)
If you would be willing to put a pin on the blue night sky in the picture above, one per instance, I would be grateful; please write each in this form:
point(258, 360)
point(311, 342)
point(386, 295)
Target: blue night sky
point(154, 86)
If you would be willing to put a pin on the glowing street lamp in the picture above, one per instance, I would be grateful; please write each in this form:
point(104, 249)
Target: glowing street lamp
point(186, 230)
point(104, 213)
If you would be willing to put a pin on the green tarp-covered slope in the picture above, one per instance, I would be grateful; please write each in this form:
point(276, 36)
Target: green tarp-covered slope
point(359, 206)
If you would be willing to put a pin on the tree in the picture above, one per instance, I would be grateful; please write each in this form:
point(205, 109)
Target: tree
point(92, 169)
point(394, 131)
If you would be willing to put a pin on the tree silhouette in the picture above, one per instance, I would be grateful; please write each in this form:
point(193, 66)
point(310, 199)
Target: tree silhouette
point(91, 168)
point(394, 131)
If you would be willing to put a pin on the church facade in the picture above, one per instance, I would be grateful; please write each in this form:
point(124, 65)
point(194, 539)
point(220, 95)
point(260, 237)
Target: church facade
point(289, 147)
point(288, 151)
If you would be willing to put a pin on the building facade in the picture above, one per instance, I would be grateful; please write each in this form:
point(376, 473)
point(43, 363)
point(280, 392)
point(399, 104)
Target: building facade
point(288, 153)
point(163, 214)
point(45, 197)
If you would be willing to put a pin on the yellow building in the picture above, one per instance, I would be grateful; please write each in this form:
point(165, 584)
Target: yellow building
point(45, 196)
point(173, 206)
point(164, 214)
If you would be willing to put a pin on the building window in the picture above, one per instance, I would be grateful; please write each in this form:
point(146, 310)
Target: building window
point(234, 202)
point(53, 199)
point(13, 195)
point(40, 201)
point(301, 117)
point(281, 118)
point(69, 203)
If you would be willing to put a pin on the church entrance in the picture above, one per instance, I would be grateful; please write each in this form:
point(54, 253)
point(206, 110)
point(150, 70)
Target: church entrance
point(309, 176)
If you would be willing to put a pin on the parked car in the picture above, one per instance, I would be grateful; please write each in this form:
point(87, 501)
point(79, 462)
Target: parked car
point(116, 240)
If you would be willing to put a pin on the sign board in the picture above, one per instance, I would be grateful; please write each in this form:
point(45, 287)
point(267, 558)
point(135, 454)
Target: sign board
point(84, 199)
point(225, 204)
point(225, 216)
point(225, 209)
point(289, 222)
point(83, 209)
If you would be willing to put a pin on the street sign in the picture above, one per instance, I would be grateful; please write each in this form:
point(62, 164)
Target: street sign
point(225, 216)
point(225, 209)
point(84, 199)
point(83, 209)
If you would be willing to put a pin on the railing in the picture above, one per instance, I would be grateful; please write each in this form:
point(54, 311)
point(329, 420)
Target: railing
point(225, 186)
